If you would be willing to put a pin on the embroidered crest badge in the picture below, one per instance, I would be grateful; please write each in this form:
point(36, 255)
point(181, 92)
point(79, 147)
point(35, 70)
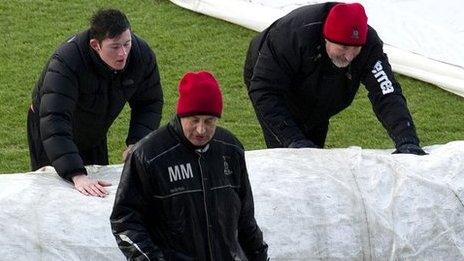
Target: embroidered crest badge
point(227, 170)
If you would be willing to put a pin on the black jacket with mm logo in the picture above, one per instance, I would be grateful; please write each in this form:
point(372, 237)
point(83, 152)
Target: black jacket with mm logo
point(78, 97)
point(175, 201)
point(294, 86)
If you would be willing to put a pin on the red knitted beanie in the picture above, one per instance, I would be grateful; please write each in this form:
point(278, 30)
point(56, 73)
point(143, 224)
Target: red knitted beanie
point(199, 94)
point(346, 24)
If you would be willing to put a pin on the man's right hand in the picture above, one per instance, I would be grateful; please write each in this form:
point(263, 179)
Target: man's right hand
point(302, 144)
point(90, 187)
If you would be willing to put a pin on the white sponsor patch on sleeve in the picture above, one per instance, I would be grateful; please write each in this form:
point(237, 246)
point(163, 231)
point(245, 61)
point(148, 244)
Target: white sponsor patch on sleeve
point(381, 77)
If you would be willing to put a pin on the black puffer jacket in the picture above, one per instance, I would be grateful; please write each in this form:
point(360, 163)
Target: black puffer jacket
point(175, 201)
point(78, 97)
point(294, 86)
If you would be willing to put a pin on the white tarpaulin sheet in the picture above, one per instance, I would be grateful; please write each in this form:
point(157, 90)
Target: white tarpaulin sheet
point(329, 204)
point(424, 39)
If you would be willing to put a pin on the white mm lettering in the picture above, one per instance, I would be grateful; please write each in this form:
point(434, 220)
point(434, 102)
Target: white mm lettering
point(184, 172)
point(174, 175)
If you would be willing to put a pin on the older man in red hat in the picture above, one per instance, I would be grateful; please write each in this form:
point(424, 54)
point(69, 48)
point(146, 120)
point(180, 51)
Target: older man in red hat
point(307, 67)
point(184, 192)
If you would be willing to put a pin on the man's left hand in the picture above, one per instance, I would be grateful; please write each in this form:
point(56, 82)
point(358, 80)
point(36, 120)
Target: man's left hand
point(410, 148)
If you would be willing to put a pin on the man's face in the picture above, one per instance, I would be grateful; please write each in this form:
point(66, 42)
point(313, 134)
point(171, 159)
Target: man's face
point(114, 51)
point(199, 129)
point(341, 55)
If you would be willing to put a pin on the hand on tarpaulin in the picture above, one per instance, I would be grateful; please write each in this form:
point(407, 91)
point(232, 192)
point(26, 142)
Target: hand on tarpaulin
point(409, 148)
point(89, 186)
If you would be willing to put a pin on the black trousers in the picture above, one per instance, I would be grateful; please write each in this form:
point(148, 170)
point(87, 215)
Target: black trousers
point(317, 132)
point(97, 155)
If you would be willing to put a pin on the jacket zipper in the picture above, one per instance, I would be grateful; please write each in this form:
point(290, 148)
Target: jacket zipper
point(206, 207)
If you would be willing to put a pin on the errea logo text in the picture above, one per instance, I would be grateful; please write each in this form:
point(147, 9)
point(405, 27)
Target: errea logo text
point(381, 77)
point(180, 172)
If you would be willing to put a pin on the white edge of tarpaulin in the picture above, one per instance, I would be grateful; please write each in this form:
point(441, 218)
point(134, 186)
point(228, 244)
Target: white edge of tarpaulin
point(446, 76)
point(238, 12)
point(257, 17)
point(331, 204)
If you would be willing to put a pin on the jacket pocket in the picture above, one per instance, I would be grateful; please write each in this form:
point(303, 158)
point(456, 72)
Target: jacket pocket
point(174, 218)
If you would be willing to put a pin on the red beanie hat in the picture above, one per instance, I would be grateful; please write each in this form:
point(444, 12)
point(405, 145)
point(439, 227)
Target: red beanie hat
point(346, 24)
point(199, 94)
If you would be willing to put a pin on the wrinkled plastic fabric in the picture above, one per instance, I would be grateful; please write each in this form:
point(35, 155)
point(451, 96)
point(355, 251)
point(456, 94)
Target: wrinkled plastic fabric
point(354, 204)
point(409, 30)
point(333, 204)
point(44, 218)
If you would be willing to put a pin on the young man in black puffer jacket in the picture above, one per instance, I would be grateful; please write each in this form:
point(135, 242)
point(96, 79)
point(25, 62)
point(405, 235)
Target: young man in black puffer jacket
point(82, 89)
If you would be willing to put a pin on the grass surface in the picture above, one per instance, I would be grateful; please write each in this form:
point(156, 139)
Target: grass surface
point(182, 41)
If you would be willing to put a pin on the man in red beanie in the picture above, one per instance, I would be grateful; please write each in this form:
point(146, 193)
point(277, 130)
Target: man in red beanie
point(307, 67)
point(184, 192)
